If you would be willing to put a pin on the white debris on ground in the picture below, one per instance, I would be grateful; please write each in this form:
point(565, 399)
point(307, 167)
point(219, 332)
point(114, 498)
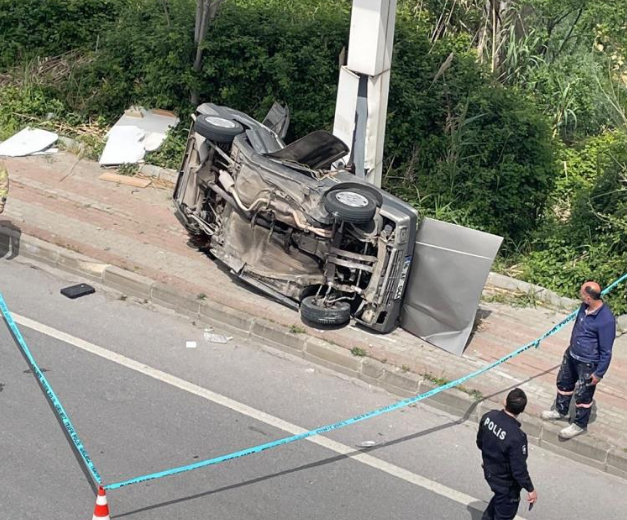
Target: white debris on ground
point(29, 141)
point(215, 338)
point(219, 338)
point(367, 444)
point(124, 146)
point(138, 131)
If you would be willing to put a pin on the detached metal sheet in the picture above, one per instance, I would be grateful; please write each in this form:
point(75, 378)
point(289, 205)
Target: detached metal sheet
point(450, 267)
point(346, 107)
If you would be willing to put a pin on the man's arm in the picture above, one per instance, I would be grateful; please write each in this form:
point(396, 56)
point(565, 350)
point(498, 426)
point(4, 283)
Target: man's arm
point(480, 434)
point(606, 335)
point(518, 465)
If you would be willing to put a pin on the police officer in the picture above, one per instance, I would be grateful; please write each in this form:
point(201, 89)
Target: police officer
point(504, 450)
point(4, 185)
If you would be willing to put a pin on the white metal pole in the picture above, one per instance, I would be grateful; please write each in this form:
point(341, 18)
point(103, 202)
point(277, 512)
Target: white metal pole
point(362, 99)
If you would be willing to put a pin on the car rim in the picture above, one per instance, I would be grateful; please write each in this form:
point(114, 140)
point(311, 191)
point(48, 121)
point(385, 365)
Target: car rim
point(351, 199)
point(221, 122)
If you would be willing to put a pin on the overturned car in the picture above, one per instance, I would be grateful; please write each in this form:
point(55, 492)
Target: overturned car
point(283, 220)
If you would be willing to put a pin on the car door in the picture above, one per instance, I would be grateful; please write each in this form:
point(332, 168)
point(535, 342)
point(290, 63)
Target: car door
point(449, 270)
point(278, 119)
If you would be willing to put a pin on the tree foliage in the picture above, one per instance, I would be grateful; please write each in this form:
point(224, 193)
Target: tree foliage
point(31, 28)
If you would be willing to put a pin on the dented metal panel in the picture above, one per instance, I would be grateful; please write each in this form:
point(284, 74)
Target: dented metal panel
point(451, 265)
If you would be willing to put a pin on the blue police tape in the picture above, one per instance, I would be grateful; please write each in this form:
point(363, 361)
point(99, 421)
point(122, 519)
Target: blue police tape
point(616, 282)
point(52, 397)
point(334, 426)
point(359, 418)
point(263, 447)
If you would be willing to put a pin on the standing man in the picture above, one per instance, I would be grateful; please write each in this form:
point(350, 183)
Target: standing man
point(4, 185)
point(504, 450)
point(585, 361)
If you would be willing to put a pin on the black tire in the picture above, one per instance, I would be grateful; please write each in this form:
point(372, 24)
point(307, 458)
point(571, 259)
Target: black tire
point(335, 315)
point(350, 205)
point(218, 129)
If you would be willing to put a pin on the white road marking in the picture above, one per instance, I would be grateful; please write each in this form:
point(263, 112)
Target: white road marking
point(339, 448)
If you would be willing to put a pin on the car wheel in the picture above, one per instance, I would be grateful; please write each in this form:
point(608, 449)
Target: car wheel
point(217, 128)
point(314, 311)
point(351, 205)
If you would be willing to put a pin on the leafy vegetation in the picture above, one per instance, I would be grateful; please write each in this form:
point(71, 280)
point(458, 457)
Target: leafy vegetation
point(32, 28)
point(509, 116)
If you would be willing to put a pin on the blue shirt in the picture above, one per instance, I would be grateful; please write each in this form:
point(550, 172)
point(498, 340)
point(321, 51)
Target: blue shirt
point(593, 337)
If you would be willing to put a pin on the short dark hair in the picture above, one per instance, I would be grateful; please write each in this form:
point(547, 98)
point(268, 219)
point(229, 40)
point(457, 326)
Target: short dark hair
point(516, 401)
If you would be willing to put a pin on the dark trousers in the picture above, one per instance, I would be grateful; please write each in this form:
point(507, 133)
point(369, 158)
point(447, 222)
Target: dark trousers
point(573, 379)
point(504, 503)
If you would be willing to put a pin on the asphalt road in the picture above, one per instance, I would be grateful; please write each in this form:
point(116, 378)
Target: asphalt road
point(143, 402)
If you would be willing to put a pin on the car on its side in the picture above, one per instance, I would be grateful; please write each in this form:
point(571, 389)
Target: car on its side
point(284, 220)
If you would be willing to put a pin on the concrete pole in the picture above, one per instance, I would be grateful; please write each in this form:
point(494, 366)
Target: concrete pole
point(362, 99)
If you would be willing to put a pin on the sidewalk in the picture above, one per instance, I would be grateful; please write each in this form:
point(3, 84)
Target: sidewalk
point(60, 200)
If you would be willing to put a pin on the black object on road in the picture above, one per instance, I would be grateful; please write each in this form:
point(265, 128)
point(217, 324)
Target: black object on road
point(76, 291)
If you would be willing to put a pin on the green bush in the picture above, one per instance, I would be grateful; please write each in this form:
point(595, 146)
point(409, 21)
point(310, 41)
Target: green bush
point(261, 51)
point(255, 52)
point(30, 28)
point(465, 148)
point(170, 154)
point(569, 94)
point(585, 235)
point(141, 59)
point(20, 106)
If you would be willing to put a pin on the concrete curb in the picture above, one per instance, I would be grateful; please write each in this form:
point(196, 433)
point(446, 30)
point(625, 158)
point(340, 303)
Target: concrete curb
point(163, 174)
point(512, 285)
point(586, 449)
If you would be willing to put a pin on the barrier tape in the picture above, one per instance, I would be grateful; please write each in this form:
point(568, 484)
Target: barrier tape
point(280, 442)
point(52, 397)
point(358, 418)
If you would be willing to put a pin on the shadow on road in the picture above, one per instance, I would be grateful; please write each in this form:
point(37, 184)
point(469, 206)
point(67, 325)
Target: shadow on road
point(476, 510)
point(330, 460)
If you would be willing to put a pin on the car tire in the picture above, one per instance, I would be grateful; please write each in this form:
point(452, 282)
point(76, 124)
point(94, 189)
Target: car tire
point(218, 129)
point(337, 314)
point(353, 205)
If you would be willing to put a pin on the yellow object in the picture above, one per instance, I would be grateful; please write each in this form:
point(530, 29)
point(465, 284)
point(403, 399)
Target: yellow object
point(4, 185)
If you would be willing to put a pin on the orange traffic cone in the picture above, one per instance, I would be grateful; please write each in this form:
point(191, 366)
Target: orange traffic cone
point(101, 512)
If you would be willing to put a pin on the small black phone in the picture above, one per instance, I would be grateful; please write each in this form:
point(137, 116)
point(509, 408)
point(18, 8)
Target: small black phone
point(76, 291)
point(531, 504)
